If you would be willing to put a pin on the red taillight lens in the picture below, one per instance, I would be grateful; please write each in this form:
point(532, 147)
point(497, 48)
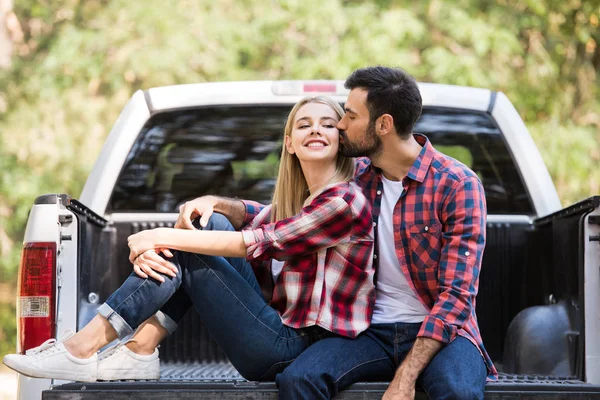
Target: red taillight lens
point(37, 295)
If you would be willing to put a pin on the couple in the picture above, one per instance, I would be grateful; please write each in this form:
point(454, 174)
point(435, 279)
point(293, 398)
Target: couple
point(292, 297)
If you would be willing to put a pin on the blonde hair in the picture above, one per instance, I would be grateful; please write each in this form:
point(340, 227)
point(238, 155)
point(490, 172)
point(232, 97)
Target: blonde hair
point(291, 190)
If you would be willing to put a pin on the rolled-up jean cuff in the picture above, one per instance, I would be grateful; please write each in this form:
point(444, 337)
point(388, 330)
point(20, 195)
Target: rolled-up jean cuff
point(165, 321)
point(118, 323)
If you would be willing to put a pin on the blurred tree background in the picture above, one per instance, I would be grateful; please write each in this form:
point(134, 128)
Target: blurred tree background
point(67, 67)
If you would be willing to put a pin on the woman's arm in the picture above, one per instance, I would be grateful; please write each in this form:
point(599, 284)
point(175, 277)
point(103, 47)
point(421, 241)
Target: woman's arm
point(340, 213)
point(212, 243)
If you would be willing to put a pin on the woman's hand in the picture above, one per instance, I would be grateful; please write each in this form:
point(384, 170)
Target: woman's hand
point(143, 241)
point(150, 262)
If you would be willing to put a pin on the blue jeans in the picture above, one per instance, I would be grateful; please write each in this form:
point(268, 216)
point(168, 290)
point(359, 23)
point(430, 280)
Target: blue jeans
point(332, 364)
point(228, 298)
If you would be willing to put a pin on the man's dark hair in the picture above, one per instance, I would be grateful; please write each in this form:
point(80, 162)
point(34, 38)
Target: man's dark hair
point(390, 91)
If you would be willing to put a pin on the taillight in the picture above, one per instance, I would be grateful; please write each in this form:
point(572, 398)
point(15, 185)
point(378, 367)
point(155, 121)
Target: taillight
point(320, 87)
point(282, 88)
point(36, 295)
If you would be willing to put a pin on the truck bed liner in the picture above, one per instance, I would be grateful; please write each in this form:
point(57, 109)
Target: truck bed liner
point(219, 380)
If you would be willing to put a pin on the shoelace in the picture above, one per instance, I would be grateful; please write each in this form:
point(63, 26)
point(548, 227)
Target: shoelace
point(48, 345)
point(112, 350)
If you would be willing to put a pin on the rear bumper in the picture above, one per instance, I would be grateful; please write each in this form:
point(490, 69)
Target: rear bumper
point(221, 381)
point(167, 390)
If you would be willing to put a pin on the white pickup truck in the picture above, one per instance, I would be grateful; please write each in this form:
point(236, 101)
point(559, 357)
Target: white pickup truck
point(539, 296)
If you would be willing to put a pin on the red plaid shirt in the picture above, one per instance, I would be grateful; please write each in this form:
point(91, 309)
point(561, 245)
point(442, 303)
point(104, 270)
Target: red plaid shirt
point(440, 223)
point(327, 249)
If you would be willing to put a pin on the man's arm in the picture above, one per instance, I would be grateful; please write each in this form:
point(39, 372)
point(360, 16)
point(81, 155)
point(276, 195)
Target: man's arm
point(405, 379)
point(463, 240)
point(233, 209)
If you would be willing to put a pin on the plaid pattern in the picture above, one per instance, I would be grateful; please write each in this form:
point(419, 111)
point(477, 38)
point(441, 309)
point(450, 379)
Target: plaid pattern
point(440, 223)
point(327, 249)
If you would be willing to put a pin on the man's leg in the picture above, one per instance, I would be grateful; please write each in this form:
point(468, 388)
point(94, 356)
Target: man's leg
point(334, 363)
point(456, 372)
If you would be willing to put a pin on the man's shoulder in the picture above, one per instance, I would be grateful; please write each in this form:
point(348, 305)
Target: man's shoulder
point(451, 168)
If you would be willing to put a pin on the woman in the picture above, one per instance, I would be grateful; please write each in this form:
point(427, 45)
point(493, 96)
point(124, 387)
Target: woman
point(315, 244)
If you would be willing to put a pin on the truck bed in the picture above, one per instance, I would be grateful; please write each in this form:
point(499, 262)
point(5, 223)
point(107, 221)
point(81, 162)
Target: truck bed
point(219, 380)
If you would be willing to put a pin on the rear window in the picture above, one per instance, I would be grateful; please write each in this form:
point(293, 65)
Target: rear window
point(234, 151)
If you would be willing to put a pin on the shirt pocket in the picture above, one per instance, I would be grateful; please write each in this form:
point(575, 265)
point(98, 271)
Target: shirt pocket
point(425, 245)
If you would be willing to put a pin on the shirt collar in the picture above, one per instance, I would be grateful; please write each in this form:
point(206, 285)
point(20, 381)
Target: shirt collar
point(419, 169)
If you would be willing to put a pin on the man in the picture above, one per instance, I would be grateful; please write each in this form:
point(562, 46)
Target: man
point(429, 215)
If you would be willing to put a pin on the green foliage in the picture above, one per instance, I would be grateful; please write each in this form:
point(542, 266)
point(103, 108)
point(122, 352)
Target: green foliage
point(8, 328)
point(80, 61)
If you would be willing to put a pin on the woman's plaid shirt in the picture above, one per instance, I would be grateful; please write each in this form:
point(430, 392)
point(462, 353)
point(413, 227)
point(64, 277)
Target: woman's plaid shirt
point(327, 249)
point(439, 234)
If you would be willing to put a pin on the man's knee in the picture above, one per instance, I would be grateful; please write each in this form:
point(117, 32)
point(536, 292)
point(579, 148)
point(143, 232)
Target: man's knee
point(217, 222)
point(452, 390)
point(449, 386)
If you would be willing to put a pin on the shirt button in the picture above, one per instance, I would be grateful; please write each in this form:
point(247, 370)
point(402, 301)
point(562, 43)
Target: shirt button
point(467, 253)
point(374, 223)
point(379, 192)
point(426, 228)
point(374, 256)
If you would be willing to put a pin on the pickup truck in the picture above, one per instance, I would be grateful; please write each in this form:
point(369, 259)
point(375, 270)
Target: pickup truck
point(539, 295)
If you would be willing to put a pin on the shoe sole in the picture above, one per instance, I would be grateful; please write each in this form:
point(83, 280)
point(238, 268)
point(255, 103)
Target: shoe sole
point(56, 374)
point(127, 374)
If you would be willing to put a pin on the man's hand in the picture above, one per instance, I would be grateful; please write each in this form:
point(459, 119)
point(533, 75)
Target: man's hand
point(401, 387)
point(150, 262)
point(190, 210)
point(403, 384)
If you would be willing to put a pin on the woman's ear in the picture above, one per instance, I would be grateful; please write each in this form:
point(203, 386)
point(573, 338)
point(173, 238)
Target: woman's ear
point(288, 144)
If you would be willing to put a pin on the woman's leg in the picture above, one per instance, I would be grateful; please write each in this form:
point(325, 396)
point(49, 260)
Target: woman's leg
point(165, 321)
point(249, 331)
point(124, 311)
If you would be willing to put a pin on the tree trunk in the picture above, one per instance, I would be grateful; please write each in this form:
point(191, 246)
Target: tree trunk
point(6, 44)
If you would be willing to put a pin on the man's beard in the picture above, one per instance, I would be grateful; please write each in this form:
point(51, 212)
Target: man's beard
point(370, 147)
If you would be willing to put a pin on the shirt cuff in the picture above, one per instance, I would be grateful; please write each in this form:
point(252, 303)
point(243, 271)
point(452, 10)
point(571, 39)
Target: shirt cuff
point(253, 239)
point(434, 328)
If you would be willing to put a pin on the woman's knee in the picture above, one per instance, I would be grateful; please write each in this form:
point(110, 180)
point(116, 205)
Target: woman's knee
point(217, 222)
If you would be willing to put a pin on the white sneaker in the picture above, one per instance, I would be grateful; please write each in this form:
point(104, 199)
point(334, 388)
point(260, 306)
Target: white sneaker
point(52, 360)
point(119, 363)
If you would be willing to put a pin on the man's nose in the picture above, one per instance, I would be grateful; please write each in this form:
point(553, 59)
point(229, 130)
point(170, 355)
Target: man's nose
point(340, 126)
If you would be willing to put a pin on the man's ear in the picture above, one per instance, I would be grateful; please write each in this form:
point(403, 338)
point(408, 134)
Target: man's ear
point(288, 144)
point(385, 124)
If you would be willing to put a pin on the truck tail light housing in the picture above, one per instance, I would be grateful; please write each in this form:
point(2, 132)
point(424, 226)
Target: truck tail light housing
point(283, 88)
point(36, 302)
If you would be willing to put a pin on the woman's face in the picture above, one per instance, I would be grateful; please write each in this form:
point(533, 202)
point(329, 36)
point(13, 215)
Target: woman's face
point(314, 134)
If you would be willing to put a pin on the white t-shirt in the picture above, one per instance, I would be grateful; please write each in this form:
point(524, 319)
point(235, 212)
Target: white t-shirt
point(395, 301)
point(276, 267)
